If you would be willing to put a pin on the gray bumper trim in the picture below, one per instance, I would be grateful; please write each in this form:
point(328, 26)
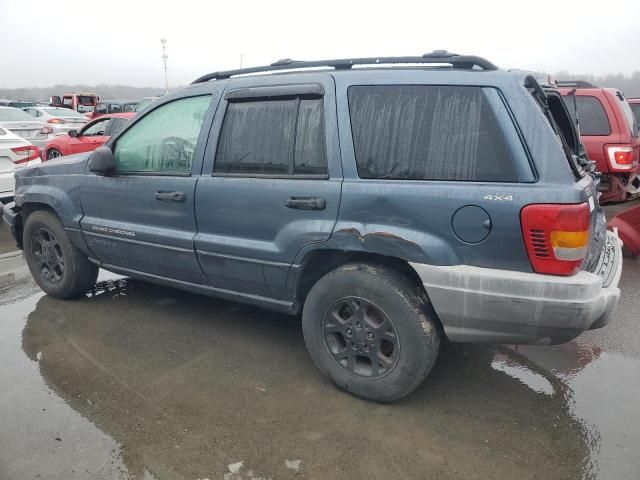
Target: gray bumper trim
point(483, 305)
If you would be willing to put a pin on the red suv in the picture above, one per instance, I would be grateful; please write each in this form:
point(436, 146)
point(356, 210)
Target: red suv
point(609, 131)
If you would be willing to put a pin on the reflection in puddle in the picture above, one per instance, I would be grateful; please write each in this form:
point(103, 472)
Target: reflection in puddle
point(184, 386)
point(604, 391)
point(534, 381)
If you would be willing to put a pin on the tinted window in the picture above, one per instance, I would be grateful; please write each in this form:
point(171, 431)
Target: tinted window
point(428, 133)
point(115, 108)
point(591, 115)
point(272, 137)
point(101, 108)
point(165, 139)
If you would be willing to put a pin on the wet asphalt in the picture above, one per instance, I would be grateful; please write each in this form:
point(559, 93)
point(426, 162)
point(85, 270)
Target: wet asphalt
point(146, 382)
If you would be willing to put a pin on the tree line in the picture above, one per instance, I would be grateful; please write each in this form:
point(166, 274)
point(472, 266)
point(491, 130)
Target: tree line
point(628, 84)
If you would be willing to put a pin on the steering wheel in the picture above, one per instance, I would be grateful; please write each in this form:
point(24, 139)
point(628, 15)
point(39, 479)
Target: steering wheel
point(178, 151)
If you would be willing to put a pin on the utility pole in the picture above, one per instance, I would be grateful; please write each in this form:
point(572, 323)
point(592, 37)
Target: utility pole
point(163, 41)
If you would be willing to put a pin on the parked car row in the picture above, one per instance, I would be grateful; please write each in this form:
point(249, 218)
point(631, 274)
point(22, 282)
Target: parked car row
point(88, 138)
point(15, 153)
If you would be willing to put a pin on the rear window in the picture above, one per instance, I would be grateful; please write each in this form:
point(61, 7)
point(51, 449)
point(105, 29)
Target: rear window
point(635, 108)
point(432, 133)
point(14, 115)
point(628, 113)
point(63, 112)
point(591, 115)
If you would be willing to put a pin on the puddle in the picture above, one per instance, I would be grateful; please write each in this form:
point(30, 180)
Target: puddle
point(41, 435)
point(140, 381)
point(605, 388)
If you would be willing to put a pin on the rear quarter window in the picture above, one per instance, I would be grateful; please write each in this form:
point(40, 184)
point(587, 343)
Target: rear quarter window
point(420, 132)
point(635, 108)
point(591, 115)
point(632, 122)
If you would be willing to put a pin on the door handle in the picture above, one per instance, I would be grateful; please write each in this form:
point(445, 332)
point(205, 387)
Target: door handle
point(306, 203)
point(171, 196)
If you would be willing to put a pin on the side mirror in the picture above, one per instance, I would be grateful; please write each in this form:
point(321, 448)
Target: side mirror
point(73, 133)
point(101, 161)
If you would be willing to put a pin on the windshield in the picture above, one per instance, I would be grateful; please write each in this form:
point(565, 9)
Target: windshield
point(142, 104)
point(14, 115)
point(62, 112)
point(86, 100)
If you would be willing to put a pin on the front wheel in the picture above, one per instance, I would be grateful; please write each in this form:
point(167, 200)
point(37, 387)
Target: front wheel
point(57, 266)
point(53, 153)
point(371, 331)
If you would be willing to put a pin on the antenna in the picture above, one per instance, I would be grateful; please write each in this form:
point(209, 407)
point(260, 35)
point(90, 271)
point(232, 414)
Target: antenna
point(163, 41)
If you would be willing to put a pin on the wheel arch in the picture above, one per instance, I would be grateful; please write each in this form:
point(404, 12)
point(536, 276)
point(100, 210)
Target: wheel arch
point(317, 263)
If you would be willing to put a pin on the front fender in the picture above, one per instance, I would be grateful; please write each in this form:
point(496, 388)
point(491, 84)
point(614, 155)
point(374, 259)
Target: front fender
point(56, 197)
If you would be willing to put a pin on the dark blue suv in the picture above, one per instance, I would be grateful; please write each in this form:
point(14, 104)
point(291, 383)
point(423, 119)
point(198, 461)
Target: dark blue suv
point(391, 204)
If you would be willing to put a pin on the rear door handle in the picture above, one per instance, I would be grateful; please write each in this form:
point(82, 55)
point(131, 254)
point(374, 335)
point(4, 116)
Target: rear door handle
point(171, 196)
point(306, 203)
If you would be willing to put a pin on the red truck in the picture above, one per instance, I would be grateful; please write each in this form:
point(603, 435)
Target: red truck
point(80, 102)
point(609, 132)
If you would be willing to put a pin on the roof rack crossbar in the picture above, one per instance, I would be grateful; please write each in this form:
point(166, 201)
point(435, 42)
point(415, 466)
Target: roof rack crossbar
point(435, 57)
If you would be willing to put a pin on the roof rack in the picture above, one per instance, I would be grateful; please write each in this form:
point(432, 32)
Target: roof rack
point(575, 84)
point(435, 57)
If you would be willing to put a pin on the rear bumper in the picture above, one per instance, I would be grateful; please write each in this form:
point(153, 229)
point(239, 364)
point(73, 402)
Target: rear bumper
point(483, 305)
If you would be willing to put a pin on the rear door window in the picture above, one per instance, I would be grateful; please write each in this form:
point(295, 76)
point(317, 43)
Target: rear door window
point(282, 136)
point(421, 132)
point(591, 115)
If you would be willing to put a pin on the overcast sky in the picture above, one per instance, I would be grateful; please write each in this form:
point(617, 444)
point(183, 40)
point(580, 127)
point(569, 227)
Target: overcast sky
point(44, 42)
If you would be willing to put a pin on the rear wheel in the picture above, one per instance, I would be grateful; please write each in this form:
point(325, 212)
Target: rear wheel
point(53, 153)
point(371, 331)
point(57, 266)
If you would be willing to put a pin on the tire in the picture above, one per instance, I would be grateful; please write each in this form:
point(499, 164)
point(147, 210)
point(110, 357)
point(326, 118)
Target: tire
point(377, 315)
point(57, 266)
point(52, 154)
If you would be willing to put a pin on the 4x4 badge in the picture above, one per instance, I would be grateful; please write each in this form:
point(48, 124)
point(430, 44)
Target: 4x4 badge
point(499, 198)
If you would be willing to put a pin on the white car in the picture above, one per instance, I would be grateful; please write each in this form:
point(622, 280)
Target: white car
point(15, 152)
point(25, 126)
point(60, 119)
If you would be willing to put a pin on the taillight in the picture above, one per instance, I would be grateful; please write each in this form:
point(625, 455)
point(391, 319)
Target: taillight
point(30, 152)
point(621, 157)
point(46, 130)
point(55, 120)
point(556, 236)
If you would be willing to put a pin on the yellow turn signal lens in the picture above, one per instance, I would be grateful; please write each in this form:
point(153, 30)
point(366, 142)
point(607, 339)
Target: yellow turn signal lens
point(569, 239)
point(570, 245)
